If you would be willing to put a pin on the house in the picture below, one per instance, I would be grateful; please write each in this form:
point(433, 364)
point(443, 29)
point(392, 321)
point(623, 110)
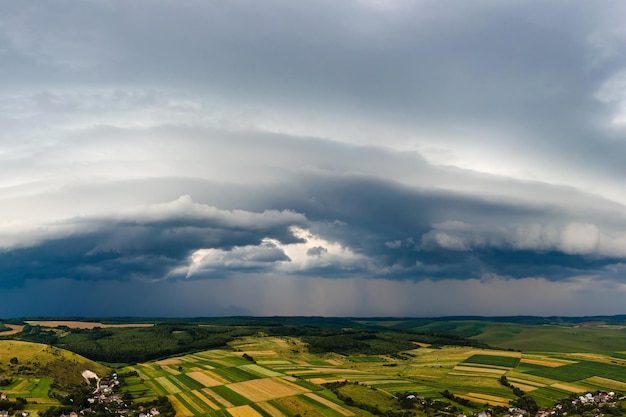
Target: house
point(3, 396)
point(4, 414)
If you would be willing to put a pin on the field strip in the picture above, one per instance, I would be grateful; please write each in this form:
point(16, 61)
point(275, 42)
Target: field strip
point(265, 389)
point(274, 362)
point(329, 404)
point(20, 387)
point(495, 353)
point(14, 329)
point(485, 401)
point(547, 363)
point(213, 375)
point(224, 363)
point(386, 381)
point(259, 370)
point(216, 397)
point(337, 370)
point(171, 370)
point(488, 397)
point(484, 365)
point(529, 379)
point(477, 369)
point(524, 387)
point(261, 352)
point(244, 411)
point(204, 379)
point(525, 382)
point(270, 409)
point(606, 382)
point(170, 361)
point(204, 399)
point(320, 381)
point(334, 362)
point(570, 388)
point(181, 410)
point(197, 358)
point(288, 383)
point(193, 401)
point(594, 357)
point(168, 385)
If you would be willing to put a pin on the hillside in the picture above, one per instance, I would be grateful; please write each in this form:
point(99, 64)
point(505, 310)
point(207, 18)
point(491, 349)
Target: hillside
point(34, 360)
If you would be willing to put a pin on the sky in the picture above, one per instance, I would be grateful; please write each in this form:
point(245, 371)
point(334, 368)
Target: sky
point(330, 158)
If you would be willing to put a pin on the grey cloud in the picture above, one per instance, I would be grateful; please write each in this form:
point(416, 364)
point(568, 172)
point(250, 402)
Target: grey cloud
point(150, 247)
point(316, 251)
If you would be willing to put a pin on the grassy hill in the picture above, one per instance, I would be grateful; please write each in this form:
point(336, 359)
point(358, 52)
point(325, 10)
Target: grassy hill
point(25, 360)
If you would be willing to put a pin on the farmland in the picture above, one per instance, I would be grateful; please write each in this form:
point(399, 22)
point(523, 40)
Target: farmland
point(255, 373)
point(285, 379)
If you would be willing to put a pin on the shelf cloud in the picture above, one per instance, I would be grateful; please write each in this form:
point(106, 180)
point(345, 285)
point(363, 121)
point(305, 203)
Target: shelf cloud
point(328, 158)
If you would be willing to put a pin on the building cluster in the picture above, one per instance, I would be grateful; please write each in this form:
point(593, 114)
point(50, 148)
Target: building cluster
point(106, 395)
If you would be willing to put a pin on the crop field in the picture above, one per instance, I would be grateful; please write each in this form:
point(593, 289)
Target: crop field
point(277, 376)
point(495, 360)
point(282, 379)
point(223, 383)
point(12, 329)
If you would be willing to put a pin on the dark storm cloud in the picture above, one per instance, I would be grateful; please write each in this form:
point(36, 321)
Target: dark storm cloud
point(148, 244)
point(435, 235)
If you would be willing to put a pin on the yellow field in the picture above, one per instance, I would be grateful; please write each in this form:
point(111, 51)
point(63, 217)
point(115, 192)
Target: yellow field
point(486, 399)
point(525, 382)
point(205, 400)
point(496, 353)
point(477, 369)
point(171, 370)
point(204, 379)
point(244, 411)
point(170, 361)
point(14, 329)
point(270, 409)
point(260, 352)
point(606, 382)
point(297, 406)
point(266, 389)
point(329, 404)
point(168, 385)
point(217, 397)
point(544, 362)
point(181, 410)
point(570, 388)
point(524, 387)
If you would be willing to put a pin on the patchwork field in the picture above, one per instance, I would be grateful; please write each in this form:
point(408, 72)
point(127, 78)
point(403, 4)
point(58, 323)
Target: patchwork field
point(223, 383)
point(284, 379)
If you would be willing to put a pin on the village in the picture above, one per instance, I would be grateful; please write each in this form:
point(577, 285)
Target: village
point(102, 398)
point(596, 404)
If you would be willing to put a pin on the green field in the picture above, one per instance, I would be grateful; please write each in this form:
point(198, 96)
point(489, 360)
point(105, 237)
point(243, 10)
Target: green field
point(505, 361)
